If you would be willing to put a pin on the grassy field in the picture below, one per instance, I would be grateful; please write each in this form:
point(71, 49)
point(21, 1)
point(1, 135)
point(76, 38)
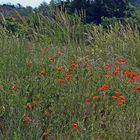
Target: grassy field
point(76, 82)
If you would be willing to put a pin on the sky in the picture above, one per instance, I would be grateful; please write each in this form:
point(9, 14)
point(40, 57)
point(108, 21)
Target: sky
point(33, 3)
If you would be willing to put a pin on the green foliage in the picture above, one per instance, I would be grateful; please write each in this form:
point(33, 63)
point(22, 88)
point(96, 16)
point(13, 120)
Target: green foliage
point(99, 8)
point(11, 25)
point(29, 22)
point(135, 2)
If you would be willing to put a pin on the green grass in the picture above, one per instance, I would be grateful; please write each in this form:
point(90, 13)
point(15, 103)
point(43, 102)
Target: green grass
point(61, 104)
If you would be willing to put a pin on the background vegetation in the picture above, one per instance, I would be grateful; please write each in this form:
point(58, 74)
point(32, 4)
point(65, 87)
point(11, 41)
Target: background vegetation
point(100, 12)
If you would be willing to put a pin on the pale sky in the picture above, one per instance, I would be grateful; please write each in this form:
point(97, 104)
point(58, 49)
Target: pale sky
point(33, 3)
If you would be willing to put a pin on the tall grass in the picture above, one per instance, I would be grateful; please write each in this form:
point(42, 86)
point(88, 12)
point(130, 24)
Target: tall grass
point(58, 104)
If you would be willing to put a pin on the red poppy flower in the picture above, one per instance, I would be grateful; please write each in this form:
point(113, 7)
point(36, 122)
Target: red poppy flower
point(29, 105)
point(52, 58)
point(114, 97)
point(116, 71)
point(118, 93)
point(75, 125)
point(127, 72)
point(69, 74)
point(123, 60)
point(59, 69)
point(104, 87)
point(60, 80)
point(60, 53)
point(87, 100)
point(122, 97)
point(120, 102)
point(45, 134)
point(107, 67)
point(96, 98)
point(134, 75)
point(138, 88)
point(36, 102)
point(33, 103)
point(73, 64)
point(67, 78)
point(70, 69)
point(14, 86)
point(117, 62)
point(129, 80)
point(28, 118)
point(43, 72)
point(1, 86)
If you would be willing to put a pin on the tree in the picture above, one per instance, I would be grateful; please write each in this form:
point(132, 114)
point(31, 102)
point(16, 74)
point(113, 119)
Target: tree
point(96, 9)
point(135, 2)
point(43, 8)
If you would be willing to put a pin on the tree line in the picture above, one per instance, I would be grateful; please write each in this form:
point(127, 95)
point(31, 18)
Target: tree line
point(104, 12)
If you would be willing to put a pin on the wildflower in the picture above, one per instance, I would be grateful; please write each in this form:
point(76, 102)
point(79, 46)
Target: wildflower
point(33, 103)
point(14, 87)
point(60, 80)
point(117, 62)
point(104, 87)
point(114, 97)
point(52, 58)
point(36, 102)
point(60, 53)
point(134, 75)
point(127, 72)
point(87, 100)
point(96, 98)
point(45, 134)
point(28, 118)
point(59, 69)
point(69, 74)
point(73, 64)
point(1, 86)
point(107, 67)
point(138, 88)
point(118, 93)
point(129, 80)
point(67, 78)
point(29, 105)
point(122, 97)
point(120, 102)
point(123, 60)
point(43, 72)
point(70, 69)
point(75, 125)
point(116, 71)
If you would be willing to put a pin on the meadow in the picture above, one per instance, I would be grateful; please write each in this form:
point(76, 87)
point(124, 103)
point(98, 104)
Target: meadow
point(70, 81)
